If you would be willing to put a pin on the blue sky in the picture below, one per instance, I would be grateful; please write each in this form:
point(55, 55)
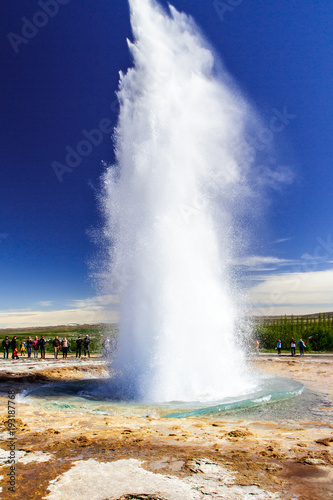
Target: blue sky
point(58, 84)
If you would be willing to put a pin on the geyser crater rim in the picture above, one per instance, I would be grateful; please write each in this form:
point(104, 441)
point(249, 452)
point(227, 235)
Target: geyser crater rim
point(76, 396)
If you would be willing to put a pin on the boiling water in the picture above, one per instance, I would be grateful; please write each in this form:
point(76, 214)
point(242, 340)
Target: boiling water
point(274, 397)
point(171, 202)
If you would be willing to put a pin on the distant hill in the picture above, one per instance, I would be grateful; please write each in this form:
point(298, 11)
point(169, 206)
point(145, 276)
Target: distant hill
point(289, 316)
point(60, 328)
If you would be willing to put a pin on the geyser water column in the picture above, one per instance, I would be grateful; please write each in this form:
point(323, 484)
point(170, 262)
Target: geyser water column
point(170, 202)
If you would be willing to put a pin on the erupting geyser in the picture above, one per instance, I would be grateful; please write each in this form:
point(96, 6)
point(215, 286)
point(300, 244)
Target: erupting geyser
point(170, 203)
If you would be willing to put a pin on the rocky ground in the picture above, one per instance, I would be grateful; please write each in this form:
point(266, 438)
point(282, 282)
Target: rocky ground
point(64, 455)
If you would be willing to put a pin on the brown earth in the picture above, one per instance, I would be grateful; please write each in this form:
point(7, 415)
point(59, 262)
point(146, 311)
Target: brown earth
point(183, 458)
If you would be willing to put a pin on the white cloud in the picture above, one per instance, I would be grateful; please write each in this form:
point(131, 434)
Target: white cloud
point(256, 261)
point(307, 256)
point(92, 310)
point(282, 240)
point(276, 294)
point(261, 263)
point(45, 303)
point(98, 302)
point(261, 269)
point(293, 293)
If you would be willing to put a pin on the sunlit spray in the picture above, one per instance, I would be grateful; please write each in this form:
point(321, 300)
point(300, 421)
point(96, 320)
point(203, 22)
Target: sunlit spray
point(170, 204)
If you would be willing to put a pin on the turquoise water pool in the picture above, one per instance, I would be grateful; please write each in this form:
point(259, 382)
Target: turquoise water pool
point(274, 398)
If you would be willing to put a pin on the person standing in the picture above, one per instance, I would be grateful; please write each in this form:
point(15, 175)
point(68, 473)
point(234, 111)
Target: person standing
point(22, 348)
point(106, 347)
point(86, 347)
point(278, 346)
point(56, 346)
point(29, 346)
point(256, 346)
point(35, 345)
point(293, 347)
point(78, 347)
point(42, 343)
point(13, 343)
point(301, 346)
point(6, 346)
point(64, 347)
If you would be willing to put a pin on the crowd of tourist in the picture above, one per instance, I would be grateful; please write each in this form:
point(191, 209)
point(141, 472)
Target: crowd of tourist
point(38, 346)
point(300, 343)
point(301, 346)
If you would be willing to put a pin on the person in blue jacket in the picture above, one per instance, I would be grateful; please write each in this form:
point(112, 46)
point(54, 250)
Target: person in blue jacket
point(301, 347)
point(278, 346)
